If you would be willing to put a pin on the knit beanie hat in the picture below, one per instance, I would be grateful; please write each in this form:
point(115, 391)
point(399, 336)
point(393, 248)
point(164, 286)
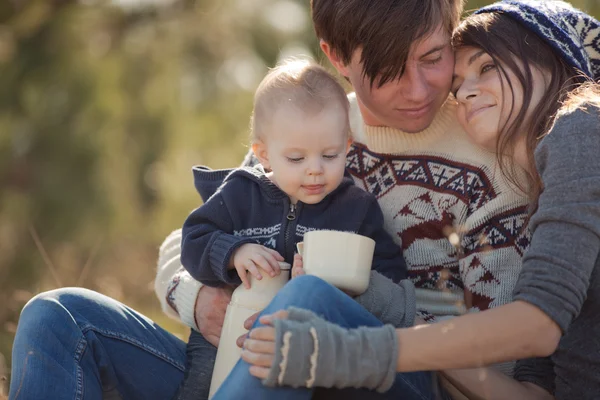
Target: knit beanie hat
point(573, 34)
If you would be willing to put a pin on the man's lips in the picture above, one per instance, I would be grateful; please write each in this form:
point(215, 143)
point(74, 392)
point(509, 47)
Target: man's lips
point(416, 111)
point(477, 110)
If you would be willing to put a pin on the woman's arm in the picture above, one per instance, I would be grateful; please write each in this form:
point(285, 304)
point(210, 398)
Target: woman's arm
point(513, 331)
point(265, 351)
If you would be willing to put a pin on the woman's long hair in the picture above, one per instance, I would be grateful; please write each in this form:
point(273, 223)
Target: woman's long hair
point(514, 48)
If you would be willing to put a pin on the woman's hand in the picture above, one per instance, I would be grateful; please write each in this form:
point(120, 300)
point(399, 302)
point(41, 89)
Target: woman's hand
point(298, 348)
point(259, 346)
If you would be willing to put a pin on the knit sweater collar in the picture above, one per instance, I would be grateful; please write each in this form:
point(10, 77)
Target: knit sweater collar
point(384, 139)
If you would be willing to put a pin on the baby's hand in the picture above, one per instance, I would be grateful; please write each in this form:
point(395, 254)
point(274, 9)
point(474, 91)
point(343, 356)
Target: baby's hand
point(250, 257)
point(297, 268)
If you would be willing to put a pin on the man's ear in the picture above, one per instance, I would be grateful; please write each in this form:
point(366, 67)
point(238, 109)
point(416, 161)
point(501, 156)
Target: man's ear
point(260, 151)
point(335, 60)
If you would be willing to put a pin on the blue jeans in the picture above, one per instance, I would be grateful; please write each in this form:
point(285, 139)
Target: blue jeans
point(314, 294)
point(78, 344)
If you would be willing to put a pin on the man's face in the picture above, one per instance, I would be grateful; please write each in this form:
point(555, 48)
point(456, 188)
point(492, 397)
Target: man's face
point(411, 102)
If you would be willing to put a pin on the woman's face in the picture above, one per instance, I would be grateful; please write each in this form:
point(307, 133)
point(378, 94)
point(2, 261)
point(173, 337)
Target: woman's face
point(486, 102)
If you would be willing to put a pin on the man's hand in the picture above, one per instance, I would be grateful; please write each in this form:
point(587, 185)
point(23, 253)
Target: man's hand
point(251, 257)
point(211, 305)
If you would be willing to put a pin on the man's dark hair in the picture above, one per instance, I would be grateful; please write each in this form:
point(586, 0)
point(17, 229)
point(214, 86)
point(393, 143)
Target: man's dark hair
point(383, 29)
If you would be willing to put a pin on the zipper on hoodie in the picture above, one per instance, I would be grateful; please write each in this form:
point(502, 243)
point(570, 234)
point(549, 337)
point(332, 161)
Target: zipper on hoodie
point(289, 231)
point(292, 212)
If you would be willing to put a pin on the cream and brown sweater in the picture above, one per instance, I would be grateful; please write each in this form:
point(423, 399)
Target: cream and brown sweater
point(460, 224)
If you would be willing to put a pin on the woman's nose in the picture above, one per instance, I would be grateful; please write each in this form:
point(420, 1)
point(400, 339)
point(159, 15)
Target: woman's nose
point(467, 91)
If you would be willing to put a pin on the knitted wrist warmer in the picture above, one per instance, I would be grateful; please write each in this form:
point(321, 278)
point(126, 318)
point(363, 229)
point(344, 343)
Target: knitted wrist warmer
point(311, 352)
point(391, 303)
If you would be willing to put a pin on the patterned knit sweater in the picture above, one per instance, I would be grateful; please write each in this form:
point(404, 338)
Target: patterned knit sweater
point(459, 222)
point(445, 201)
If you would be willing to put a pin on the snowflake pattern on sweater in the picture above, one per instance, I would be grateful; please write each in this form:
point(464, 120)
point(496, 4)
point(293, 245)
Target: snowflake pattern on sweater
point(461, 226)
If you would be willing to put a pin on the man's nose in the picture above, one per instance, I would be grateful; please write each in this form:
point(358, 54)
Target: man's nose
point(414, 86)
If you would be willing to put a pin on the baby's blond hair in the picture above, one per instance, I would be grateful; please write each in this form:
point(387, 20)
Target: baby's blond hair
point(300, 83)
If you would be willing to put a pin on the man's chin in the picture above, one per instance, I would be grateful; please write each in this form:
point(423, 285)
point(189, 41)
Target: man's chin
point(413, 126)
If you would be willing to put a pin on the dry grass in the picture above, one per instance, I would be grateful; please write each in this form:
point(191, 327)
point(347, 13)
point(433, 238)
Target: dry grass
point(3, 375)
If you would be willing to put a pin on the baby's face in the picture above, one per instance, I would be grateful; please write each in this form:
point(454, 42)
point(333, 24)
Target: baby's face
point(306, 152)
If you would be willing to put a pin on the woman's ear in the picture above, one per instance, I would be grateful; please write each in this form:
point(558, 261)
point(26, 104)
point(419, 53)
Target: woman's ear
point(260, 151)
point(335, 60)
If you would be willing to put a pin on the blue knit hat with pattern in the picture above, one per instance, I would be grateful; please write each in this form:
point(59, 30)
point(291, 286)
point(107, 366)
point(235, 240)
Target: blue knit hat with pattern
point(574, 34)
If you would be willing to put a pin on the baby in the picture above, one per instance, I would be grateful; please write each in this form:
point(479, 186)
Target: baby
point(300, 135)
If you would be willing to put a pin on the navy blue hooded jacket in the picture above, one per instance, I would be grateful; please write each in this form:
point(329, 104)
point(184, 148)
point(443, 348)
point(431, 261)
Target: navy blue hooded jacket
point(247, 207)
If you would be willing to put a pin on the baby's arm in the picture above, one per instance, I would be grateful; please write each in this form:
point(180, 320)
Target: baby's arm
point(212, 254)
point(206, 246)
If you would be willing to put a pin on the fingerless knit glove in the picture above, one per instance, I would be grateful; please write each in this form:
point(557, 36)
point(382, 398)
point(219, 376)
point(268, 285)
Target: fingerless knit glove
point(311, 352)
point(391, 303)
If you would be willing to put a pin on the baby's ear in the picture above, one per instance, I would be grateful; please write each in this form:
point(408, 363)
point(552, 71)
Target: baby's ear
point(259, 148)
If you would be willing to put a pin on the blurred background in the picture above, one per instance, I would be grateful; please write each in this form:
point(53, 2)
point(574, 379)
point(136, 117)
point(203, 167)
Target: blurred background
point(104, 108)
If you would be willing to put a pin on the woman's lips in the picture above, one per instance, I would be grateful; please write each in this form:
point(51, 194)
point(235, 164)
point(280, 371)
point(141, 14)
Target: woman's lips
point(476, 111)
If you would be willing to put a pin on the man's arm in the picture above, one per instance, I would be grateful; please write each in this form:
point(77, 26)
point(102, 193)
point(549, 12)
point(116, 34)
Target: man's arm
point(184, 298)
point(176, 290)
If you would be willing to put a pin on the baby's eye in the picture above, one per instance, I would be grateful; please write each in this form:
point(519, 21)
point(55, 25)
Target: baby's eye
point(295, 159)
point(330, 156)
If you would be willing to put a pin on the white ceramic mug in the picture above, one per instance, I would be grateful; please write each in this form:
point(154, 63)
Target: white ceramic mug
point(341, 258)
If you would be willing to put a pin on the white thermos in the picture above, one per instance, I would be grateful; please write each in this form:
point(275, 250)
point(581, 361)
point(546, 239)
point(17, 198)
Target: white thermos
point(244, 303)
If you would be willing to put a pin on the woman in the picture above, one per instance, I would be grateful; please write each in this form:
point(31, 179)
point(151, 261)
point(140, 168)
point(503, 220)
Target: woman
point(522, 93)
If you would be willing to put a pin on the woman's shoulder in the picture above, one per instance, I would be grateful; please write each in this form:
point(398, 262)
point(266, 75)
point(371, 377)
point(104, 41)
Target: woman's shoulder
point(575, 135)
point(580, 109)
point(578, 119)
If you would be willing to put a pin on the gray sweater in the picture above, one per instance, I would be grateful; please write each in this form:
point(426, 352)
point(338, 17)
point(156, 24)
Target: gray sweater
point(561, 269)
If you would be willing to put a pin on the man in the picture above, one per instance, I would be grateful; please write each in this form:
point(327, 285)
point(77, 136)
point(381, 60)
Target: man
point(459, 223)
